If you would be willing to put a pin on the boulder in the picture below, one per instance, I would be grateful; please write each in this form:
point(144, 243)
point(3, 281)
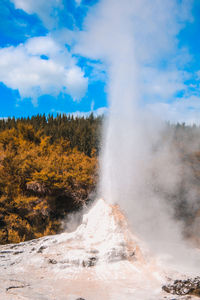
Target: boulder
point(184, 287)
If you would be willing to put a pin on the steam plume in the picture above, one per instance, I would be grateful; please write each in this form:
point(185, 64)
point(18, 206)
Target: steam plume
point(136, 163)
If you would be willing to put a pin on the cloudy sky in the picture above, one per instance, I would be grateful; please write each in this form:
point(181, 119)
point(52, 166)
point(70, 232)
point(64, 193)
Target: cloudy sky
point(55, 55)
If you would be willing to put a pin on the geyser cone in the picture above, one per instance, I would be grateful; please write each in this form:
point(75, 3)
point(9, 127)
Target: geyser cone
point(102, 259)
point(103, 237)
point(105, 230)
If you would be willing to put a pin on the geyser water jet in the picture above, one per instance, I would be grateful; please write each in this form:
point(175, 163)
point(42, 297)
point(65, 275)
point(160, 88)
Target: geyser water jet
point(132, 171)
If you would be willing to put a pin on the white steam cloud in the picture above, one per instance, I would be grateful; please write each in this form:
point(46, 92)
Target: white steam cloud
point(154, 25)
point(130, 37)
point(46, 10)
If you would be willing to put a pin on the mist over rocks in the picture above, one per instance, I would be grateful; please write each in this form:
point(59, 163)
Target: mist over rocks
point(102, 238)
point(101, 259)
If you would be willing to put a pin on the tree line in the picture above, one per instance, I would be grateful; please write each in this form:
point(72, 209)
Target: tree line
point(49, 168)
point(81, 132)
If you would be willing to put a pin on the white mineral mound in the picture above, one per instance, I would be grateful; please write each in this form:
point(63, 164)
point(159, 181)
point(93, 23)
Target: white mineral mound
point(102, 259)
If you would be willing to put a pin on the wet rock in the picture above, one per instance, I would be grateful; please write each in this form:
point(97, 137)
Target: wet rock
point(13, 246)
point(17, 252)
point(117, 255)
point(17, 287)
point(91, 262)
point(52, 261)
point(184, 287)
point(41, 249)
point(6, 252)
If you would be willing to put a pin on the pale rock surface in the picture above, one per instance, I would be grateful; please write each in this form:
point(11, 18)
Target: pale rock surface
point(101, 260)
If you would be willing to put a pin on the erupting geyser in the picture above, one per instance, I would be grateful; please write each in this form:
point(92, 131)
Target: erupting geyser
point(138, 168)
point(103, 259)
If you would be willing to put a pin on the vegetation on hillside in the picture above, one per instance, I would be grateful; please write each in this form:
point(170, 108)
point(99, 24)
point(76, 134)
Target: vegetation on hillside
point(82, 133)
point(47, 169)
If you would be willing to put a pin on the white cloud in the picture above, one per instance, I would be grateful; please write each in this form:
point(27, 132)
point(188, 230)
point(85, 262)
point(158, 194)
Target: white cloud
point(98, 71)
point(22, 68)
point(45, 9)
point(100, 111)
point(42, 45)
point(148, 27)
point(92, 105)
point(64, 36)
point(78, 2)
point(162, 84)
point(180, 110)
point(75, 78)
point(97, 112)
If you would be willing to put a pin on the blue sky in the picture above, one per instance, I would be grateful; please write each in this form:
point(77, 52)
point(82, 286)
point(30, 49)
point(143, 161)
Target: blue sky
point(44, 68)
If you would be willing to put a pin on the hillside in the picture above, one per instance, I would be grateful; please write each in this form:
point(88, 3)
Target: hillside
point(49, 169)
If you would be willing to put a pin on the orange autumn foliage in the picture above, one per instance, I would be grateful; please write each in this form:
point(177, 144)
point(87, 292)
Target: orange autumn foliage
point(40, 182)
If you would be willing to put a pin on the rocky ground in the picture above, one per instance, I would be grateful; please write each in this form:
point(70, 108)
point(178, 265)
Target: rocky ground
point(190, 286)
point(100, 260)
